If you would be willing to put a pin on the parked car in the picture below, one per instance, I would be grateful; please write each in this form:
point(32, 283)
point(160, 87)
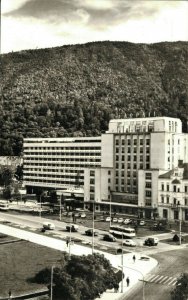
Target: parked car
point(151, 242)
point(142, 223)
point(115, 220)
point(107, 219)
point(77, 215)
point(48, 226)
point(127, 221)
point(83, 215)
point(129, 242)
point(69, 214)
point(89, 232)
point(120, 220)
point(72, 227)
point(109, 238)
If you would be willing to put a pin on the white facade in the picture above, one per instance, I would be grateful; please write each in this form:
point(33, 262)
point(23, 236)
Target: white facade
point(173, 193)
point(121, 168)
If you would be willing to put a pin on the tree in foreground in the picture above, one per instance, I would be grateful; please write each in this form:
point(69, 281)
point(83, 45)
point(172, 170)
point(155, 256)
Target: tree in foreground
point(80, 278)
point(181, 290)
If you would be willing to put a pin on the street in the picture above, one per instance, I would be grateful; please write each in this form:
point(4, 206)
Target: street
point(159, 282)
point(171, 265)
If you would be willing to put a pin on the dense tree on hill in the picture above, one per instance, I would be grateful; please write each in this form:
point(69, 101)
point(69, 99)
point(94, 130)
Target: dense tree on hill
point(80, 278)
point(75, 90)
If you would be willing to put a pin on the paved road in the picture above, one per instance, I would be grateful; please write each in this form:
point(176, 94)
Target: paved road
point(163, 279)
point(35, 224)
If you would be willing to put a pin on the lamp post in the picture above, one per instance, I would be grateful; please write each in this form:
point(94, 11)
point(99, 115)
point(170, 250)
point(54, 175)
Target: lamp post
point(40, 212)
point(51, 283)
point(110, 208)
point(179, 212)
point(93, 225)
point(143, 288)
point(122, 275)
point(60, 208)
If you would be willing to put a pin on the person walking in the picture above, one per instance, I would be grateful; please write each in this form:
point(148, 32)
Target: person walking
point(134, 258)
point(128, 281)
point(67, 242)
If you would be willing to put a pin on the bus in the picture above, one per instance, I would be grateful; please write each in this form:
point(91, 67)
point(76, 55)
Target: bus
point(122, 232)
point(4, 206)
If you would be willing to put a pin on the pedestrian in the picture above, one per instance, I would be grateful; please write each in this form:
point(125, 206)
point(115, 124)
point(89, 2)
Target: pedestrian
point(134, 258)
point(128, 281)
point(10, 294)
point(67, 242)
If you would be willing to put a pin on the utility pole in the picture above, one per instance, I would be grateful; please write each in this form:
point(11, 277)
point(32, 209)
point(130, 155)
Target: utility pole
point(122, 263)
point(60, 208)
point(51, 284)
point(93, 227)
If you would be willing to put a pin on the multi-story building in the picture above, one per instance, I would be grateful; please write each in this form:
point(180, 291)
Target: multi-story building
point(173, 193)
point(120, 169)
point(66, 164)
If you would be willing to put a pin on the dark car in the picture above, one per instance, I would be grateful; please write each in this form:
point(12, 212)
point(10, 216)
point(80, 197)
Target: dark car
point(89, 232)
point(151, 242)
point(109, 238)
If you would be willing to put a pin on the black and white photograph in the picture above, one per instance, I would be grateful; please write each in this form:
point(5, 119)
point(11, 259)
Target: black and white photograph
point(94, 149)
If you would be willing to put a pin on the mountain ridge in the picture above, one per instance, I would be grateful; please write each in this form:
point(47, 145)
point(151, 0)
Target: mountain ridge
point(74, 90)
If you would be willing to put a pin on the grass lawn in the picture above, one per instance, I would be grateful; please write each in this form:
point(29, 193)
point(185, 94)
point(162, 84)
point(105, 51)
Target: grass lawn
point(20, 261)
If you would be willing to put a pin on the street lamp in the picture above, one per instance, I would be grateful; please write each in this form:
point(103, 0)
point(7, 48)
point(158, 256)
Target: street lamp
point(51, 283)
point(110, 207)
point(179, 215)
point(122, 263)
point(40, 212)
point(143, 290)
point(93, 227)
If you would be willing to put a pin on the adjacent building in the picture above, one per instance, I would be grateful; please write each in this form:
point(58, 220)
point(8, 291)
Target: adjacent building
point(121, 170)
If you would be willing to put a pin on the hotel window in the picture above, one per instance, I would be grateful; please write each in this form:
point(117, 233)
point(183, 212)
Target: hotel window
point(92, 173)
point(129, 142)
point(141, 141)
point(162, 199)
point(186, 188)
point(148, 193)
point(148, 184)
point(167, 187)
point(123, 142)
point(123, 158)
point(147, 142)
point(122, 166)
point(109, 172)
point(148, 176)
point(174, 188)
point(186, 201)
point(167, 199)
point(135, 142)
point(117, 142)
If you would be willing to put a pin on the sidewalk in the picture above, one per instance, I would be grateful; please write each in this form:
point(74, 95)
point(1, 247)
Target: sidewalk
point(134, 270)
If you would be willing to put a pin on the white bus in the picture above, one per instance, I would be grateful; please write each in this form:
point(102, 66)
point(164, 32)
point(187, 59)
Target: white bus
point(122, 232)
point(4, 206)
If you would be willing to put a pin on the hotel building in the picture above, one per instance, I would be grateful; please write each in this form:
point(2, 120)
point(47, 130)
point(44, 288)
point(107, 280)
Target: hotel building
point(121, 169)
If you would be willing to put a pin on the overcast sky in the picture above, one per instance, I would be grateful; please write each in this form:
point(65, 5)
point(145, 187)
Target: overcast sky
point(30, 24)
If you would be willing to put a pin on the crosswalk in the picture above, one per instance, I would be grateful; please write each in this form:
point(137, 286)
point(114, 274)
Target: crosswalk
point(161, 279)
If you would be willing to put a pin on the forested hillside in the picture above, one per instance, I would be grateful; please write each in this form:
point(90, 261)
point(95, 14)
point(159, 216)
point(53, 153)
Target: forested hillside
point(75, 90)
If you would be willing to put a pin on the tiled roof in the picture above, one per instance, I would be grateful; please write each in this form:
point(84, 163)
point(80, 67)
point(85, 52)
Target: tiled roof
point(176, 181)
point(167, 175)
